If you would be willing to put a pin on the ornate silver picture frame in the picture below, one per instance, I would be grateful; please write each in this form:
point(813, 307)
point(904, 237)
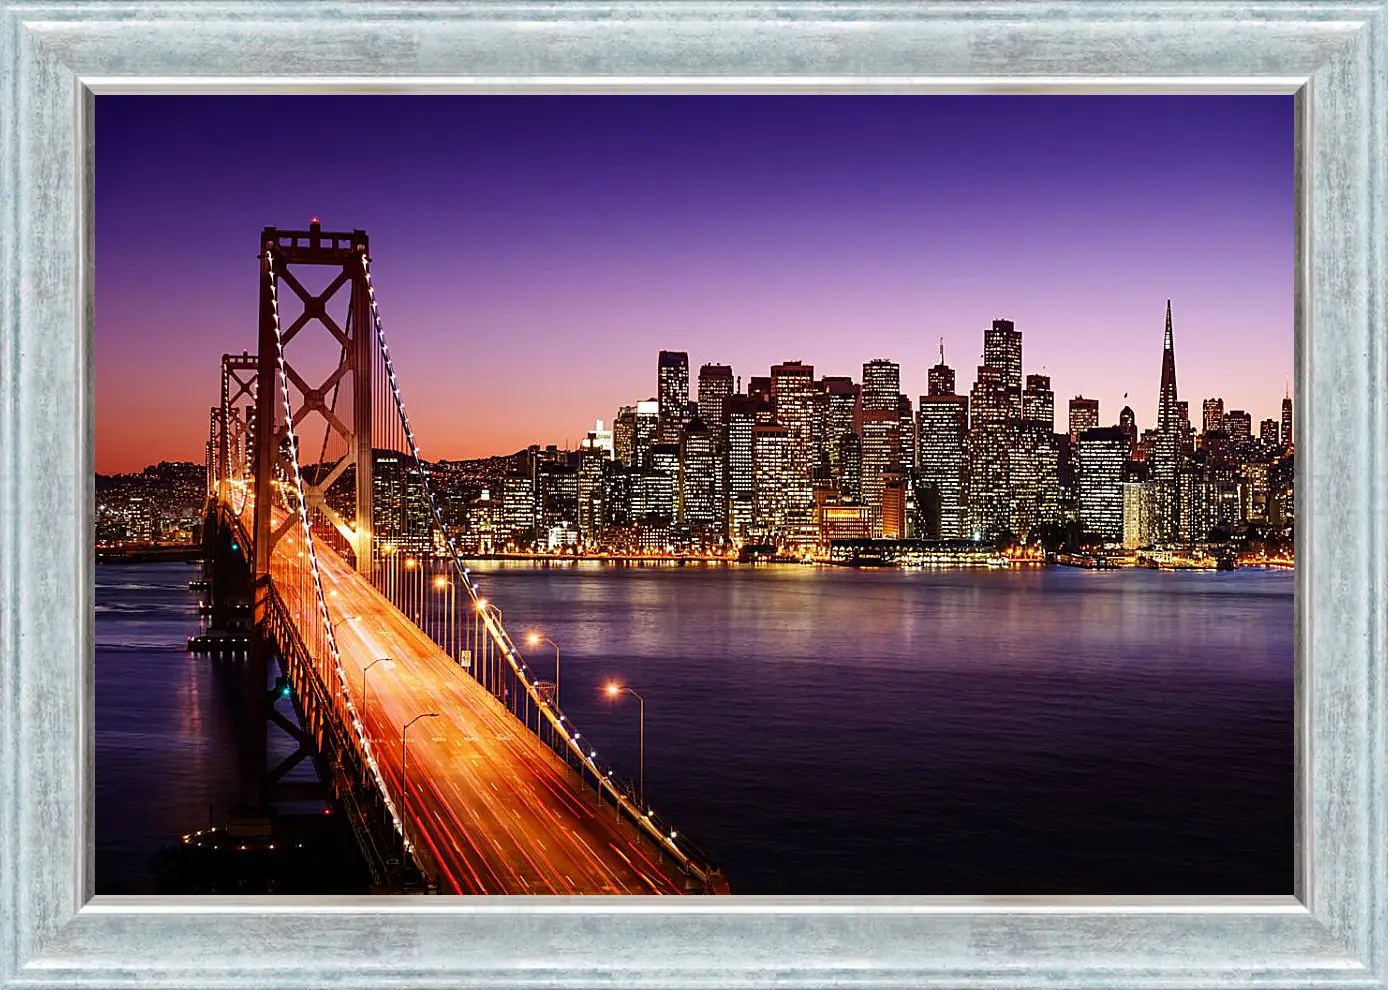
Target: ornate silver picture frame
point(57, 57)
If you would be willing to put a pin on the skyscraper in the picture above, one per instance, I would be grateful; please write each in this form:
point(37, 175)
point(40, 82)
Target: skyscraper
point(625, 435)
point(942, 429)
point(698, 487)
point(1083, 414)
point(940, 379)
point(1168, 443)
point(645, 431)
point(740, 416)
point(1003, 350)
point(1212, 413)
point(880, 417)
point(715, 385)
point(793, 398)
point(1168, 418)
point(771, 454)
point(990, 413)
point(841, 395)
point(1102, 454)
point(1128, 425)
point(906, 433)
point(673, 394)
point(1039, 403)
point(1287, 417)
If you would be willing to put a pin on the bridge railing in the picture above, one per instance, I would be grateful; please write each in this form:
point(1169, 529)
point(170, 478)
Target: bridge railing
point(568, 740)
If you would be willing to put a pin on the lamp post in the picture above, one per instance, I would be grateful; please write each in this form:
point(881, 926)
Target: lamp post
point(364, 680)
point(615, 691)
point(404, 793)
point(535, 639)
point(345, 618)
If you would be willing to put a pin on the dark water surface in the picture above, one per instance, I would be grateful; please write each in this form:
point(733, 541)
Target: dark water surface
point(824, 731)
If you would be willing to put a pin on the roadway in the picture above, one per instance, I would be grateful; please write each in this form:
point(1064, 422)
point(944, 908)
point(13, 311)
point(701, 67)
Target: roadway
point(491, 809)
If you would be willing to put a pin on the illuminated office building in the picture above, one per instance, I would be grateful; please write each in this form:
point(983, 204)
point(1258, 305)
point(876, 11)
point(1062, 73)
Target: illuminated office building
point(772, 470)
point(1083, 414)
point(942, 432)
point(1212, 415)
point(645, 431)
point(1003, 350)
point(880, 428)
point(715, 388)
point(697, 478)
point(1287, 418)
point(990, 439)
point(793, 388)
point(1102, 455)
point(672, 394)
point(625, 436)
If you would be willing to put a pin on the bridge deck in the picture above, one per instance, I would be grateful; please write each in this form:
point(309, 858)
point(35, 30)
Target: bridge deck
point(493, 807)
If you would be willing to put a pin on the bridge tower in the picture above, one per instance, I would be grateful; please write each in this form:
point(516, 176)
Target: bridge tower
point(282, 252)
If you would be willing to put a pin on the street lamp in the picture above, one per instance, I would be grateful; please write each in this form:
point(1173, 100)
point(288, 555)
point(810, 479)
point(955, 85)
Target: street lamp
point(404, 793)
point(345, 618)
point(364, 680)
point(616, 691)
point(535, 639)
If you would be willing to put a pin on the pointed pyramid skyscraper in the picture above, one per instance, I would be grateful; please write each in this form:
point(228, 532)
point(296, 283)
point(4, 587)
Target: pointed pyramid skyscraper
point(1168, 420)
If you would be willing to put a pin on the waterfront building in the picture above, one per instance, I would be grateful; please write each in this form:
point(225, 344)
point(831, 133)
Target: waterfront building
point(990, 442)
point(1138, 513)
point(1102, 455)
point(942, 434)
point(843, 522)
point(672, 394)
point(793, 389)
point(894, 505)
point(772, 470)
point(739, 465)
point(1034, 481)
point(1083, 414)
point(881, 424)
point(841, 396)
point(697, 476)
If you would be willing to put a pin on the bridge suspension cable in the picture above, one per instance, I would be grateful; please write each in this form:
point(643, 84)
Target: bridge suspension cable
point(301, 510)
point(414, 594)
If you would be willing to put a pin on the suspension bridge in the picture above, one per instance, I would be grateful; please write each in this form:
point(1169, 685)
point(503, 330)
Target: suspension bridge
point(331, 571)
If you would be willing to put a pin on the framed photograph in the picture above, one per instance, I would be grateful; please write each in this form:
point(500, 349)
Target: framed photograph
point(910, 479)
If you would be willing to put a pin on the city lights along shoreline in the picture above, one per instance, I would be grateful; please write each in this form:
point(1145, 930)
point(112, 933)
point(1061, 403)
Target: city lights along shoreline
point(855, 471)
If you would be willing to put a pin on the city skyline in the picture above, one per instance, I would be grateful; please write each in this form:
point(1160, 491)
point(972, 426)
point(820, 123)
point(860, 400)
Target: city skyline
point(743, 259)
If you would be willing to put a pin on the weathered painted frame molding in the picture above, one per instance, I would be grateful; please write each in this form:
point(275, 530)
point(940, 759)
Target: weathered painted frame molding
point(56, 55)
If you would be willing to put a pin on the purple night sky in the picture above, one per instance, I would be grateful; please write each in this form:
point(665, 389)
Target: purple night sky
point(532, 254)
